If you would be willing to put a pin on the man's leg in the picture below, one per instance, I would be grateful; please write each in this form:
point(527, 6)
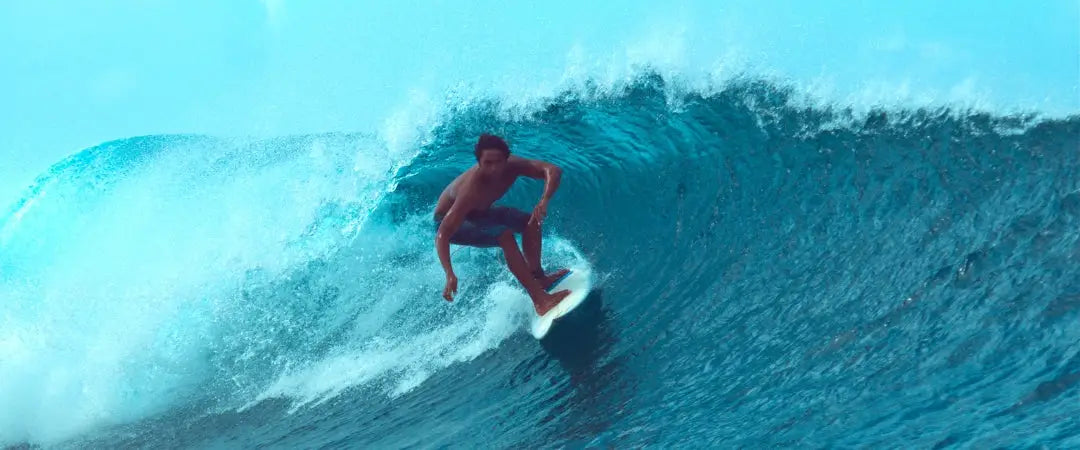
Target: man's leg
point(531, 243)
point(542, 301)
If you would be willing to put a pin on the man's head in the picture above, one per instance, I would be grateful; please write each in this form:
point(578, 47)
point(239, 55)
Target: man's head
point(491, 152)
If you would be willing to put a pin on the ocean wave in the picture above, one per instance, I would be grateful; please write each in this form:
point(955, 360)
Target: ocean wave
point(766, 260)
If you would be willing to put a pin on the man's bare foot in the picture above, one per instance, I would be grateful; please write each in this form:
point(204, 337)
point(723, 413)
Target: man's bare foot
point(547, 280)
point(545, 302)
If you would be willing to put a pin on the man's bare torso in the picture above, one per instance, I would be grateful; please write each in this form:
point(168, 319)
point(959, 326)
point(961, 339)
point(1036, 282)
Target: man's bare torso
point(480, 194)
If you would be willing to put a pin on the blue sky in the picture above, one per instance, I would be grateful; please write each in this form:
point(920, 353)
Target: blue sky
point(76, 74)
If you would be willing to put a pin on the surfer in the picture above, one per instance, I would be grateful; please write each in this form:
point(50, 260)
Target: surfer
point(465, 216)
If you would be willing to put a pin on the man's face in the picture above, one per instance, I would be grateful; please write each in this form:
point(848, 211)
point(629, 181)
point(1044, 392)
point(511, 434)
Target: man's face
point(492, 162)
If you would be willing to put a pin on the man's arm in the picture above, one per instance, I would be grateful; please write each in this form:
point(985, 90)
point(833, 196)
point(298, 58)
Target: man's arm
point(449, 225)
point(542, 170)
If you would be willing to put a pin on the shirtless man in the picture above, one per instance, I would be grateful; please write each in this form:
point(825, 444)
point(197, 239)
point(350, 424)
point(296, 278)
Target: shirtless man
point(465, 216)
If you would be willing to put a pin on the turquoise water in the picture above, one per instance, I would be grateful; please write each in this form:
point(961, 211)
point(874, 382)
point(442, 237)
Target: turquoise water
point(883, 263)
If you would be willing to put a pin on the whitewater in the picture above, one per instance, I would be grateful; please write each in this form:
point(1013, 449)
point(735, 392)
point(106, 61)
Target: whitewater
point(778, 260)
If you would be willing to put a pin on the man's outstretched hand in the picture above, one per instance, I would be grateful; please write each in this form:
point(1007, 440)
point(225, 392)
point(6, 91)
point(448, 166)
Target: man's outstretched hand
point(451, 288)
point(539, 212)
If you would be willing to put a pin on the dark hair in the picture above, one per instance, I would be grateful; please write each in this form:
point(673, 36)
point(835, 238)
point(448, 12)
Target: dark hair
point(488, 142)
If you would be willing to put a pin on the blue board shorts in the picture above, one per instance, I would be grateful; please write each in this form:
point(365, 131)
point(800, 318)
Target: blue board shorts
point(482, 228)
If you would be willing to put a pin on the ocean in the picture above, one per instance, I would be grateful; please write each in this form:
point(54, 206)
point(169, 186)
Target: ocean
point(769, 270)
point(767, 274)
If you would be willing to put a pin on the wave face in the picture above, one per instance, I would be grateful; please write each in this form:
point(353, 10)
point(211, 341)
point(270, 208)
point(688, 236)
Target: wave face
point(770, 273)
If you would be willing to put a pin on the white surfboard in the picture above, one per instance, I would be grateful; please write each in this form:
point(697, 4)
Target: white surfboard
point(578, 282)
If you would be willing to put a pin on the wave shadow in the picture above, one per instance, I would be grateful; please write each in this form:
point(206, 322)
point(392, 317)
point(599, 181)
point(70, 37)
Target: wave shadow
point(599, 387)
